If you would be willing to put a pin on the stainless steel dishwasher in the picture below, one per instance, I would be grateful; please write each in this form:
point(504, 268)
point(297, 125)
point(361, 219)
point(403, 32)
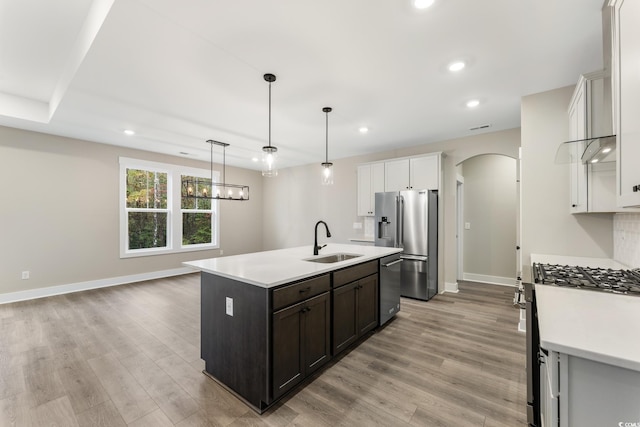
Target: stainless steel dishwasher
point(389, 287)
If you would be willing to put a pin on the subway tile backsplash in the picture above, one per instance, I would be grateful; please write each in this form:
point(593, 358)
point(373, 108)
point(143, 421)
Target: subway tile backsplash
point(626, 239)
point(369, 226)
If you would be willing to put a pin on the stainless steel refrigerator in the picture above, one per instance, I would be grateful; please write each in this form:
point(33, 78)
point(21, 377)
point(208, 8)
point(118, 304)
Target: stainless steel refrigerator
point(409, 220)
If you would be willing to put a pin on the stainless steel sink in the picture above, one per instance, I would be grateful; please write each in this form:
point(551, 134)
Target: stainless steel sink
point(333, 258)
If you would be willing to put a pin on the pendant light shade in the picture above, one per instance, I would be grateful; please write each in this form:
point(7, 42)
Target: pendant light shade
point(207, 189)
point(327, 166)
point(269, 152)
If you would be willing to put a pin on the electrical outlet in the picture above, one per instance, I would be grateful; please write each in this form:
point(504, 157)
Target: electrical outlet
point(221, 252)
point(357, 226)
point(25, 275)
point(229, 306)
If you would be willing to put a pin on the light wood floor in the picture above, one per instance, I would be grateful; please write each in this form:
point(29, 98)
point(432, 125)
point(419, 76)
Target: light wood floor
point(129, 355)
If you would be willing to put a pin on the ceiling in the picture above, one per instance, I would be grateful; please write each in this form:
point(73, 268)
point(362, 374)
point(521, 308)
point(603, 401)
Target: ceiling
point(181, 72)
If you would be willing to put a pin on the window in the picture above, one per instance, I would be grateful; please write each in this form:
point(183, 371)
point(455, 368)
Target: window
point(155, 219)
point(147, 212)
point(197, 215)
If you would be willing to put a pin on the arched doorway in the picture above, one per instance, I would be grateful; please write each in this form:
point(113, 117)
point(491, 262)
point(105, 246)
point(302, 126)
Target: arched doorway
point(488, 209)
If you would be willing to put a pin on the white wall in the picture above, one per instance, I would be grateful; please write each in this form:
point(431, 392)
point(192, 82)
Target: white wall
point(295, 200)
point(490, 208)
point(547, 225)
point(60, 212)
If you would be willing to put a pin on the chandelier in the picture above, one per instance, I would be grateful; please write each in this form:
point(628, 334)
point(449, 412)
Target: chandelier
point(206, 188)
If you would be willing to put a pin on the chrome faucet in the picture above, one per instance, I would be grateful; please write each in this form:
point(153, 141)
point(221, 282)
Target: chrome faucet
point(316, 248)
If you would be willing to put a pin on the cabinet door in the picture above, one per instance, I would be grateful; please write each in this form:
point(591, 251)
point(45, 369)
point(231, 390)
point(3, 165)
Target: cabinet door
point(577, 170)
point(317, 334)
point(345, 321)
point(370, 182)
point(364, 190)
point(377, 183)
point(396, 175)
point(424, 173)
point(367, 304)
point(288, 367)
point(627, 90)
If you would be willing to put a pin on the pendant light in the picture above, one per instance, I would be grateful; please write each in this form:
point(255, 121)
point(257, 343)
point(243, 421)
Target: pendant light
point(327, 166)
point(269, 152)
point(207, 188)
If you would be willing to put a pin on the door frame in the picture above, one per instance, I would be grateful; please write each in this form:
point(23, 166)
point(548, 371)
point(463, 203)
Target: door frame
point(460, 227)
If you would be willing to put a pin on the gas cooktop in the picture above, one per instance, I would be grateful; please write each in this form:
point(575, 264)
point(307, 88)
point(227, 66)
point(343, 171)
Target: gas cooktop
point(625, 282)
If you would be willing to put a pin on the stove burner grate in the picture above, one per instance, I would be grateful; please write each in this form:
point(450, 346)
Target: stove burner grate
point(626, 282)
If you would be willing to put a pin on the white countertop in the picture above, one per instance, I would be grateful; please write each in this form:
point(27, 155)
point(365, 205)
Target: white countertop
point(273, 268)
point(592, 325)
point(579, 261)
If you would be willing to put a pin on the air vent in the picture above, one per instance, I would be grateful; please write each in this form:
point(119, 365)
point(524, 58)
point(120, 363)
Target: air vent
point(480, 127)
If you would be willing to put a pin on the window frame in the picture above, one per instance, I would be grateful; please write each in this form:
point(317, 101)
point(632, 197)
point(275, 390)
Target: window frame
point(174, 208)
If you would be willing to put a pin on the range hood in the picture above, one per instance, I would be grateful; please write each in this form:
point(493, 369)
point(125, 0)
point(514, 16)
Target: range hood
point(587, 151)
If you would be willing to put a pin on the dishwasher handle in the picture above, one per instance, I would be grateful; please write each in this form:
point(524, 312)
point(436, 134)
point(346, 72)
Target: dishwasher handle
point(389, 264)
point(414, 258)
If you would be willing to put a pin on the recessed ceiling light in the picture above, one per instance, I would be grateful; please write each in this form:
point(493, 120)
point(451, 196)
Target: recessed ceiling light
point(254, 159)
point(363, 129)
point(422, 4)
point(129, 132)
point(606, 150)
point(456, 66)
point(473, 103)
point(594, 161)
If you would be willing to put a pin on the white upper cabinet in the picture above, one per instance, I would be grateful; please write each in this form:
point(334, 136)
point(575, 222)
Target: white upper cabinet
point(416, 173)
point(396, 175)
point(626, 76)
point(424, 173)
point(370, 182)
point(591, 171)
point(578, 131)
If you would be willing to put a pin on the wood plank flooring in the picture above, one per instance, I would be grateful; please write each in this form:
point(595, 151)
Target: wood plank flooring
point(130, 355)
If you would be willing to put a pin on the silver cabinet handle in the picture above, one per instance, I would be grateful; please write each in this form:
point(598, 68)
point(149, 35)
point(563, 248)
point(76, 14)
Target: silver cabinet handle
point(392, 263)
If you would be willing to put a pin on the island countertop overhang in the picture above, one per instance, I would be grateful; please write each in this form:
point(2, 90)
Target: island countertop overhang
point(268, 269)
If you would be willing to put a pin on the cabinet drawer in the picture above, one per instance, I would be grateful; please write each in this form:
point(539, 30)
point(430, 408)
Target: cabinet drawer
point(342, 277)
point(297, 292)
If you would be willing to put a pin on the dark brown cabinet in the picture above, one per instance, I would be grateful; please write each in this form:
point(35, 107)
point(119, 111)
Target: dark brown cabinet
point(261, 343)
point(301, 341)
point(355, 304)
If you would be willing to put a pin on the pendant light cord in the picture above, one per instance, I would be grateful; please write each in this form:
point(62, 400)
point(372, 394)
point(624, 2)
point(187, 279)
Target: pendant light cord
point(327, 138)
point(269, 114)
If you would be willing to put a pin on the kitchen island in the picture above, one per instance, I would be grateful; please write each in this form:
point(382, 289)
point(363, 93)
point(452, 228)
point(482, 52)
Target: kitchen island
point(271, 319)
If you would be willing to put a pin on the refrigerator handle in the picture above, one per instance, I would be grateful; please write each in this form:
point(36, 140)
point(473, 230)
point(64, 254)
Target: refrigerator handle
point(396, 238)
point(401, 222)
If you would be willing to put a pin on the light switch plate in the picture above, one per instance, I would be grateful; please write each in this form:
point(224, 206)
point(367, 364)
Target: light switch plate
point(229, 306)
point(357, 226)
point(467, 226)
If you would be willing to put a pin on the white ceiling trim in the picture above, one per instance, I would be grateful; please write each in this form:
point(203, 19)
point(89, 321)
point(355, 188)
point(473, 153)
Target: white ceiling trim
point(22, 107)
point(95, 18)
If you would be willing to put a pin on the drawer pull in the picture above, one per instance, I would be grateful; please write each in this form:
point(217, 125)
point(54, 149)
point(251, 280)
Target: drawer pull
point(307, 289)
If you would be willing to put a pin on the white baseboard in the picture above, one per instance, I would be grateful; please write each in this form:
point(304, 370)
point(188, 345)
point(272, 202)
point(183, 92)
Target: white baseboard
point(92, 284)
point(494, 280)
point(522, 324)
point(451, 287)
